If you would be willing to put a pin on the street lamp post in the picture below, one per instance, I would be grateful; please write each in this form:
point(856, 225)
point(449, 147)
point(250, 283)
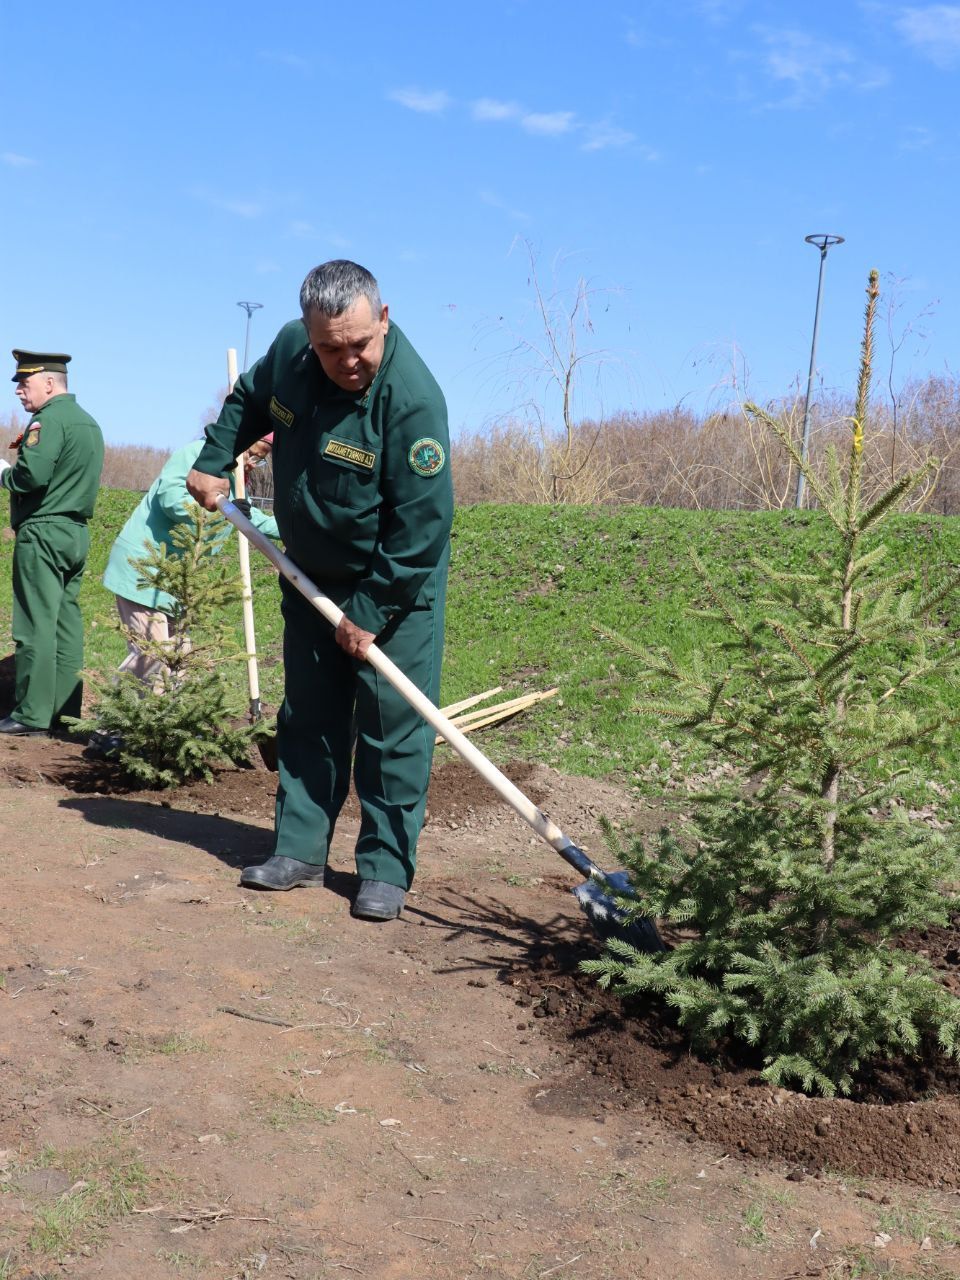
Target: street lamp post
point(249, 308)
point(823, 243)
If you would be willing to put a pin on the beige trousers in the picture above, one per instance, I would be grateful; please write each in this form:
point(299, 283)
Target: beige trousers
point(154, 626)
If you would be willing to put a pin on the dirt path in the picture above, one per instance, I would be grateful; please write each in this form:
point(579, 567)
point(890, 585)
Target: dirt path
point(200, 1080)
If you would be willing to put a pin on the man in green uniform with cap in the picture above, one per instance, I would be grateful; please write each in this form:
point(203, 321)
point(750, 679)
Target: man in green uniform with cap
point(364, 502)
point(53, 487)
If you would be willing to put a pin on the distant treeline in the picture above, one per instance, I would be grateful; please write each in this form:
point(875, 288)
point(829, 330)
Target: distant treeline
point(667, 458)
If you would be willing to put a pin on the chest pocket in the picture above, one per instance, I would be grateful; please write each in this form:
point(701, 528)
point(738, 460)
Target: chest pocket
point(345, 471)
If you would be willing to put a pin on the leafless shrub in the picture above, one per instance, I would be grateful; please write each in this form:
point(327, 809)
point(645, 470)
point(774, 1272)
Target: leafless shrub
point(132, 466)
point(722, 460)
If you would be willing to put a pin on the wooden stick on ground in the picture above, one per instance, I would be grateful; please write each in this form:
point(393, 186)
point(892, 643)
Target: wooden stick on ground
point(456, 707)
point(492, 715)
point(522, 701)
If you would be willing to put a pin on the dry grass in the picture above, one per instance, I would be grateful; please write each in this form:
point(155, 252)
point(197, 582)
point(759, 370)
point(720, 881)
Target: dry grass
point(720, 461)
point(668, 458)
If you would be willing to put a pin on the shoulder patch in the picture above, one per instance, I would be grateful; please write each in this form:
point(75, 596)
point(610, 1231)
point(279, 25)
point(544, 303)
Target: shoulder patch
point(426, 457)
point(281, 412)
point(33, 434)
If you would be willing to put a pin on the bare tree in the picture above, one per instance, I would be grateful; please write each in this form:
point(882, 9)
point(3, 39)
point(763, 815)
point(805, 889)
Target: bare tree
point(560, 461)
point(896, 339)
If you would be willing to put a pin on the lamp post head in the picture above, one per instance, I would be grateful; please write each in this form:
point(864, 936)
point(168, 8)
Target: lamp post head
point(823, 242)
point(250, 307)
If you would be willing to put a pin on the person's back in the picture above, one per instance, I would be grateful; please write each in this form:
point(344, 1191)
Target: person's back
point(151, 524)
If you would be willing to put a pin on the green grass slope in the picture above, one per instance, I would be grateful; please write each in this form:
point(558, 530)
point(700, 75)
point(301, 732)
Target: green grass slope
point(529, 589)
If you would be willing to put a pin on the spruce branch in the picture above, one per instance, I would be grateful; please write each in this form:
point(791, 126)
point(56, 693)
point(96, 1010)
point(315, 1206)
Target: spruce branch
point(813, 480)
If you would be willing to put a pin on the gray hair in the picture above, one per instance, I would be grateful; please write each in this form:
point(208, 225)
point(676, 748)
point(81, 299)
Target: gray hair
point(58, 379)
point(333, 287)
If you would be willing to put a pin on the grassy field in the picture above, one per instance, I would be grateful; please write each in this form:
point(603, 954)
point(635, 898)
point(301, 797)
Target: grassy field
point(532, 590)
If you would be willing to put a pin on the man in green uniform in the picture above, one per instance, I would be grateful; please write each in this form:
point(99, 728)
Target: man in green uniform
point(364, 502)
point(53, 487)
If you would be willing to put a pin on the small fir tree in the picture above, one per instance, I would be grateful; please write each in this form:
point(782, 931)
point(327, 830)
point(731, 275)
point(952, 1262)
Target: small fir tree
point(188, 722)
point(802, 876)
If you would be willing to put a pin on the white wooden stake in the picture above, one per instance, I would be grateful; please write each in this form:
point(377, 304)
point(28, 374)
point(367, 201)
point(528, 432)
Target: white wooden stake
point(249, 632)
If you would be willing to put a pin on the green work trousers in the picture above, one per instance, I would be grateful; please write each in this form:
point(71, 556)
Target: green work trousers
point(336, 708)
point(48, 562)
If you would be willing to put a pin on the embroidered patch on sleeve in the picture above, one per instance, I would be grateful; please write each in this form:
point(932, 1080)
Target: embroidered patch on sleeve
point(32, 436)
point(426, 457)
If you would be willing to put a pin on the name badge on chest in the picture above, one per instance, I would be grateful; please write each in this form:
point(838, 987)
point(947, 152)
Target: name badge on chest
point(342, 451)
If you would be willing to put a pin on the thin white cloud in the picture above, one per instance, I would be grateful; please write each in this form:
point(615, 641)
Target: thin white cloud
point(544, 124)
point(548, 123)
point(238, 207)
point(810, 68)
point(16, 161)
point(495, 201)
point(242, 208)
point(600, 137)
point(916, 137)
point(431, 103)
point(719, 12)
point(292, 60)
point(493, 109)
point(934, 31)
point(301, 229)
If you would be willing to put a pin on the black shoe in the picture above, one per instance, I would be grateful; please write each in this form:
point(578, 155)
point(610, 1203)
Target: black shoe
point(18, 730)
point(377, 900)
point(282, 873)
point(103, 745)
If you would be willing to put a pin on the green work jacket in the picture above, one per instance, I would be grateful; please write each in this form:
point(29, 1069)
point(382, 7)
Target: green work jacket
point(59, 460)
point(362, 487)
point(151, 524)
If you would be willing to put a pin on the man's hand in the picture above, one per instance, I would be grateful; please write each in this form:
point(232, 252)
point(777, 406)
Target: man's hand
point(352, 640)
point(206, 489)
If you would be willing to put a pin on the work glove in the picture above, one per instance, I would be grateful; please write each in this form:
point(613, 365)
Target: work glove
point(243, 506)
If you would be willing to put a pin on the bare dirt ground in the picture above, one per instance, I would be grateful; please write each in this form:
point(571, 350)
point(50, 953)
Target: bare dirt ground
point(200, 1080)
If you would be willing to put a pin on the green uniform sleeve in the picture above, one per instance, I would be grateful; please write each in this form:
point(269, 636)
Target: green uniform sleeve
point(244, 418)
point(418, 513)
point(34, 467)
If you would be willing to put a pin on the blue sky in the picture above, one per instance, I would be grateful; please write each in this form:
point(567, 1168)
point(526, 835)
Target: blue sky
point(160, 163)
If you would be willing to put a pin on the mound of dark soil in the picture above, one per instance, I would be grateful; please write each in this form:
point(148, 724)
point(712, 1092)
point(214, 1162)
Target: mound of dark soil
point(903, 1124)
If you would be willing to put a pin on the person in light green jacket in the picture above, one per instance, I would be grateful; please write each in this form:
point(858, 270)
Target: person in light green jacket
point(144, 610)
